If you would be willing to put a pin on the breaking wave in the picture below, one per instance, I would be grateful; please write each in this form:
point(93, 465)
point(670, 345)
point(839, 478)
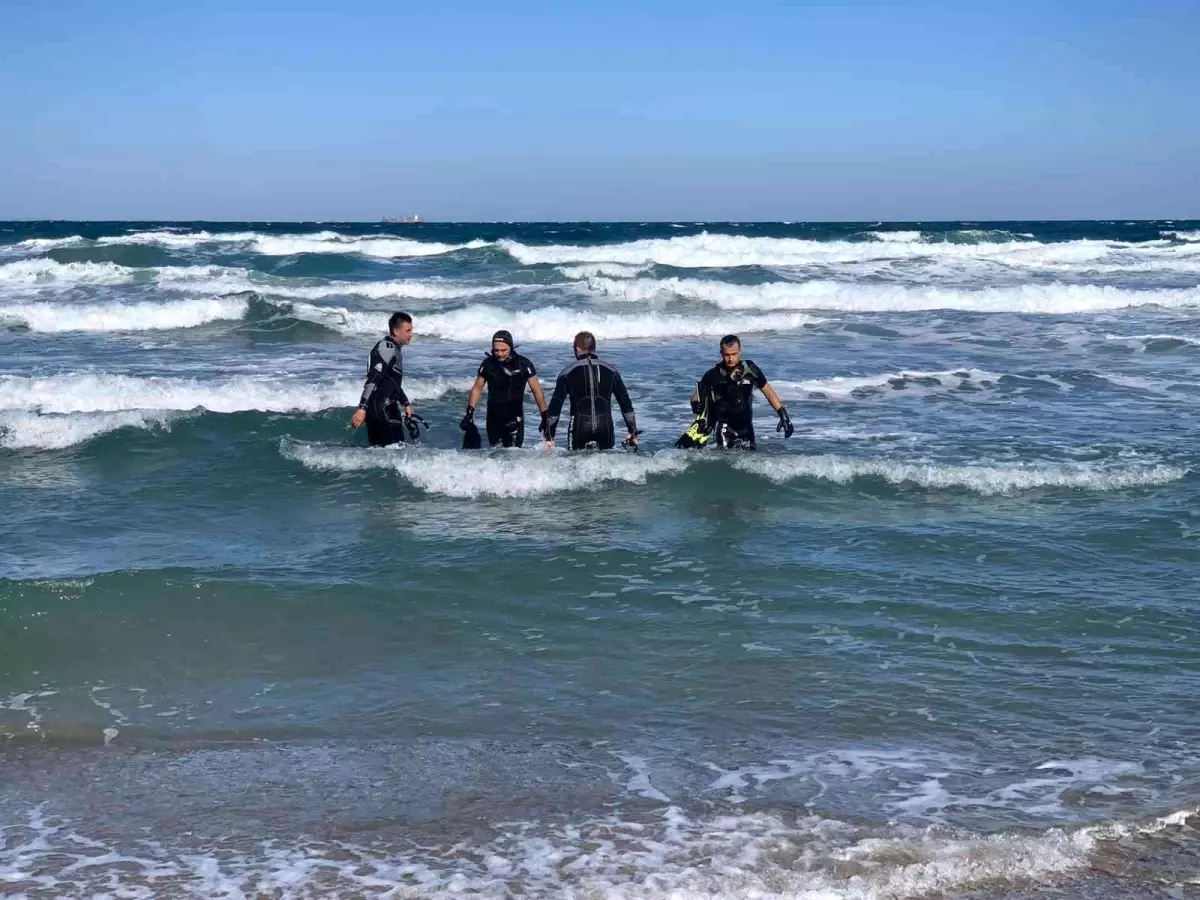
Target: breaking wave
point(552, 323)
point(85, 392)
point(1055, 299)
point(113, 317)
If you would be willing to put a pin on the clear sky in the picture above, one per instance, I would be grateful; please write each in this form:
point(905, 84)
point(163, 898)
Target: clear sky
point(687, 109)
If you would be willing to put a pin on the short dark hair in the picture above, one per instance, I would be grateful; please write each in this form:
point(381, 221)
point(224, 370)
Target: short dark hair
point(395, 320)
point(730, 340)
point(585, 341)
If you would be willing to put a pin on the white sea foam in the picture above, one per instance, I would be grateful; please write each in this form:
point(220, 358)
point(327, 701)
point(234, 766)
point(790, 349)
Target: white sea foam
point(503, 474)
point(21, 430)
point(173, 239)
point(81, 392)
point(722, 250)
point(112, 317)
point(981, 479)
point(39, 272)
point(833, 295)
point(897, 237)
point(330, 242)
point(382, 246)
point(600, 270)
point(668, 855)
point(41, 245)
point(1182, 235)
point(553, 323)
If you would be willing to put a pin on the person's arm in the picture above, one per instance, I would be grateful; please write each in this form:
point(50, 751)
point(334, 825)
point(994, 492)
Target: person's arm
point(785, 421)
point(472, 401)
point(375, 369)
point(554, 409)
point(626, 406)
point(476, 393)
point(535, 388)
point(772, 397)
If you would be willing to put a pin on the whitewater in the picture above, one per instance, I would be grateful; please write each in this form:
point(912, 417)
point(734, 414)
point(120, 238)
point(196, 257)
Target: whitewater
point(940, 643)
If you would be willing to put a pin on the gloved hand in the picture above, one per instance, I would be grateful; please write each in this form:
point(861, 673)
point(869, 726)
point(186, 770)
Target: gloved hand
point(544, 427)
point(695, 401)
point(785, 422)
point(467, 419)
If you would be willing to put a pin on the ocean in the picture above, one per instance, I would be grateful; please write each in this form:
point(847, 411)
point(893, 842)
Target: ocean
point(940, 643)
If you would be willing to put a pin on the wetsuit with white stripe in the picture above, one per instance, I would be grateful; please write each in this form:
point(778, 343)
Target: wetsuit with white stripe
point(383, 395)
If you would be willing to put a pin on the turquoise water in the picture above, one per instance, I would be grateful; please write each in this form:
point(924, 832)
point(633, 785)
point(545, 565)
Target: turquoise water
point(941, 642)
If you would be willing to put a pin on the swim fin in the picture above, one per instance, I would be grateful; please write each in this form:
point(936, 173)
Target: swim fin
point(471, 438)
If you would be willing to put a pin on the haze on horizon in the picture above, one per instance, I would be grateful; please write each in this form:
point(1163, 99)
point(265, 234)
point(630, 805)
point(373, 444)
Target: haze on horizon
point(616, 111)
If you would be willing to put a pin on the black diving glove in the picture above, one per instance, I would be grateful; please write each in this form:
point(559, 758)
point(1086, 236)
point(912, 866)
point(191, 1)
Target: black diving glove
point(785, 422)
point(544, 426)
point(467, 419)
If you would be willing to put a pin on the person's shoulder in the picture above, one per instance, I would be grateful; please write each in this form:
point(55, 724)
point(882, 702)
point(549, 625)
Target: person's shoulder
point(386, 344)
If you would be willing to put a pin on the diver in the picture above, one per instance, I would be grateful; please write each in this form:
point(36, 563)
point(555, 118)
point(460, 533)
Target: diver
point(591, 385)
point(722, 402)
point(384, 406)
point(505, 373)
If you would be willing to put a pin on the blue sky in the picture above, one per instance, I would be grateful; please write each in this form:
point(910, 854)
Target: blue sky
point(614, 110)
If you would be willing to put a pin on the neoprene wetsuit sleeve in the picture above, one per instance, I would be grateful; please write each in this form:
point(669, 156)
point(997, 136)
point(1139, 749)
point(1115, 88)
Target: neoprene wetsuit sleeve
point(554, 410)
point(375, 369)
point(757, 376)
point(624, 402)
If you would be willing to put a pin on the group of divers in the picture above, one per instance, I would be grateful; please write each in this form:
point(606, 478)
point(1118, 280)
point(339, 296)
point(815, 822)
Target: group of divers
point(721, 402)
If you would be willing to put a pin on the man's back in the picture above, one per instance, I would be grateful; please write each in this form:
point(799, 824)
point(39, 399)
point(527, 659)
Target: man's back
point(591, 385)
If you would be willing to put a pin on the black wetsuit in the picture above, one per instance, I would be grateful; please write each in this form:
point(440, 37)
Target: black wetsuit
point(506, 398)
point(725, 401)
point(591, 385)
point(383, 395)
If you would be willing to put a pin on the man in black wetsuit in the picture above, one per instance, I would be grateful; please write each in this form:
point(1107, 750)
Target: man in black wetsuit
point(591, 385)
point(505, 373)
point(384, 405)
point(722, 401)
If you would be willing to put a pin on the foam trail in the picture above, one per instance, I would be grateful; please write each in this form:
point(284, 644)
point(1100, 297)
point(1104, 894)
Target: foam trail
point(981, 479)
point(508, 474)
point(671, 855)
point(115, 317)
point(21, 430)
point(90, 392)
point(478, 323)
point(1056, 299)
point(1182, 339)
point(845, 387)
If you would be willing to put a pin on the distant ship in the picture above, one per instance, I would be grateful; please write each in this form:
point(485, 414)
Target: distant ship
point(404, 220)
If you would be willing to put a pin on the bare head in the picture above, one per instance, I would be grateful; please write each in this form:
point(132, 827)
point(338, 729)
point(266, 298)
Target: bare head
point(502, 345)
point(585, 342)
point(731, 350)
point(400, 327)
